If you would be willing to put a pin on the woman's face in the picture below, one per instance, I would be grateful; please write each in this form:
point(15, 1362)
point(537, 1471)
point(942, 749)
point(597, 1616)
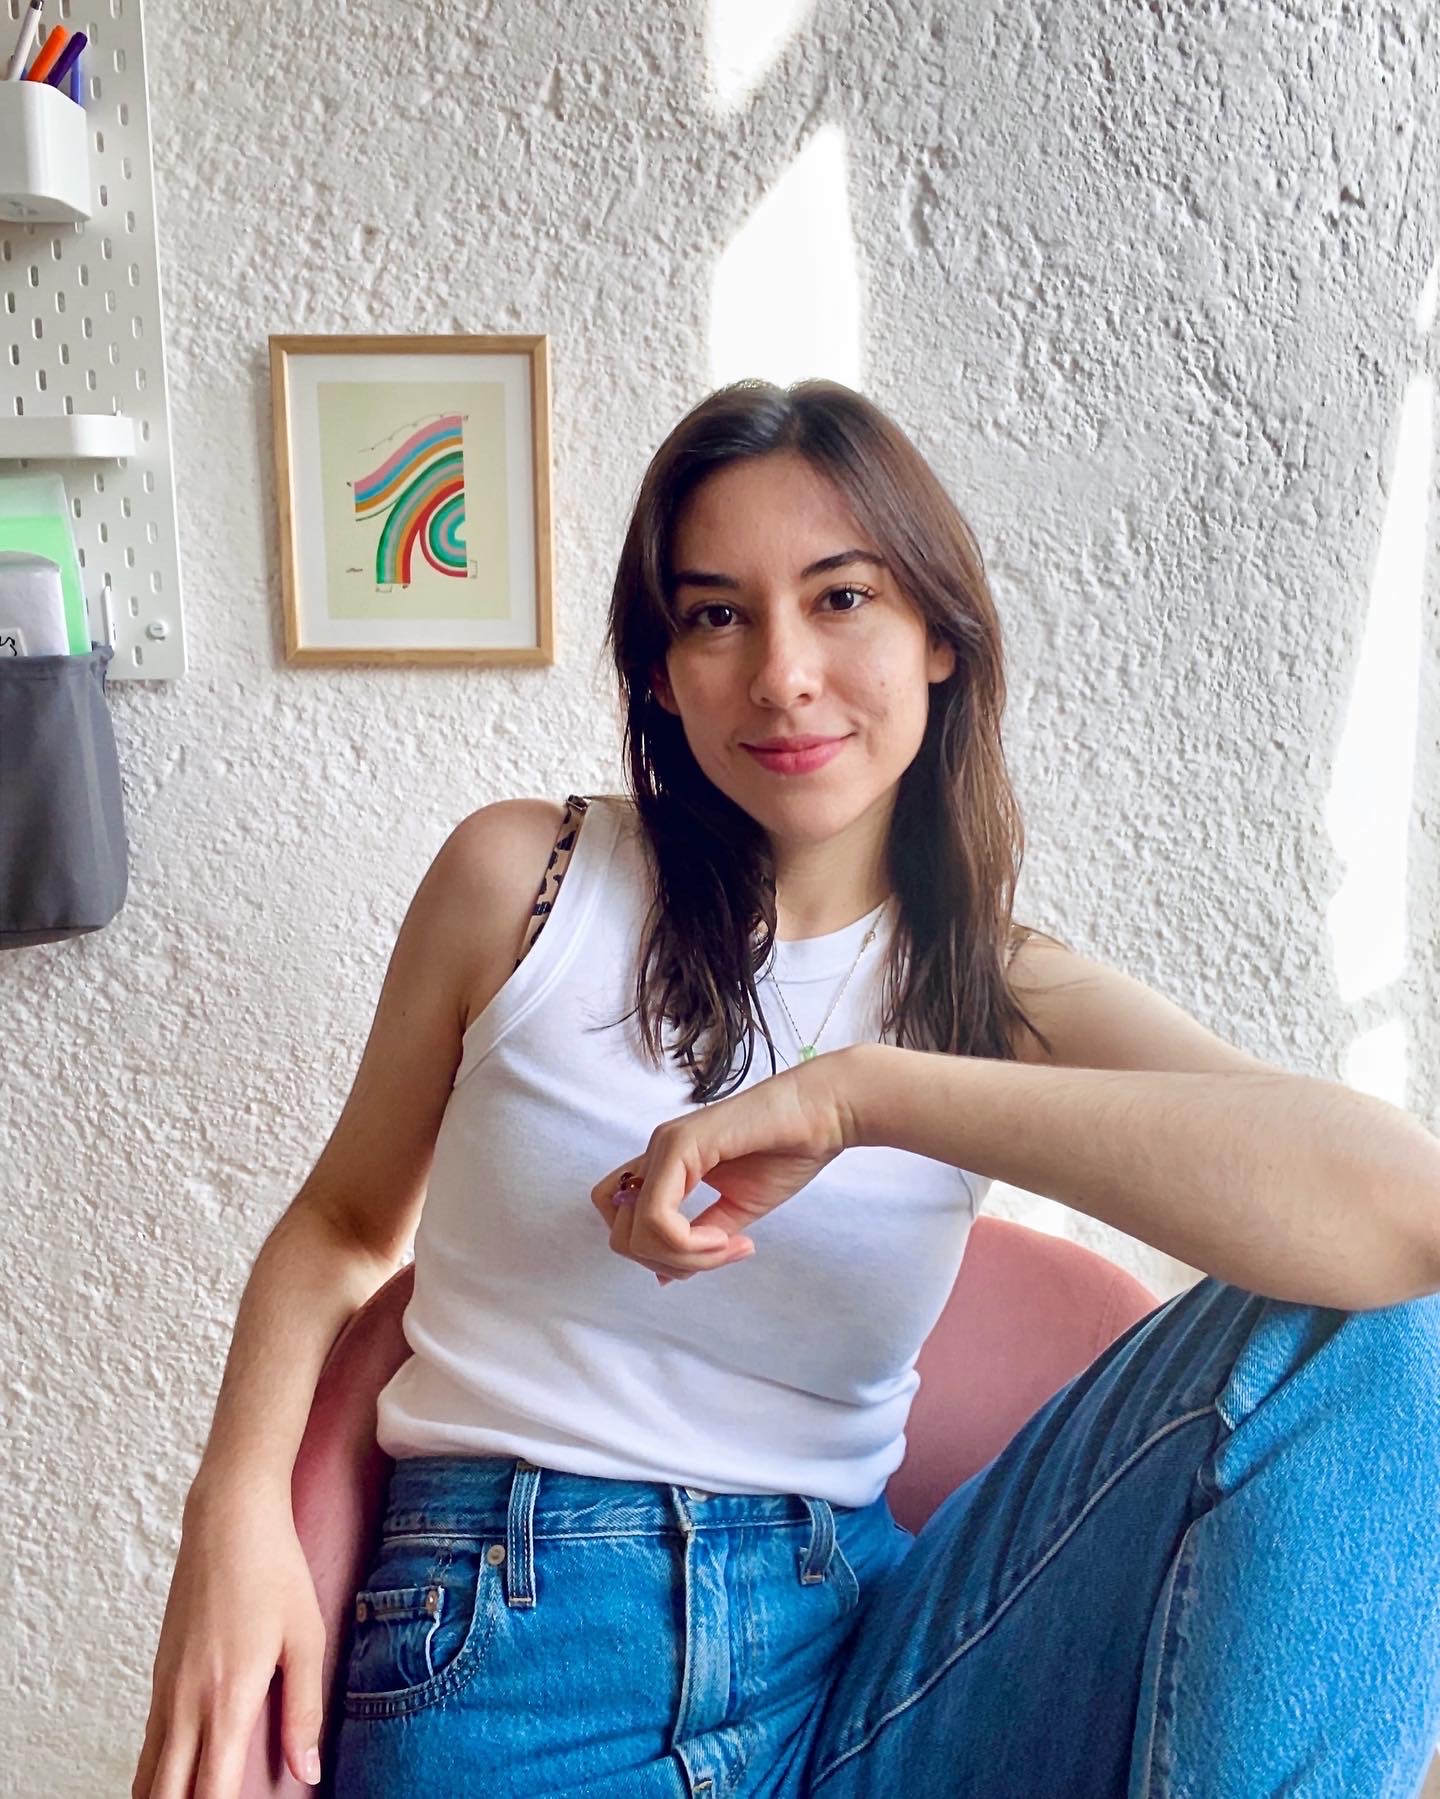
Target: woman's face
point(772, 646)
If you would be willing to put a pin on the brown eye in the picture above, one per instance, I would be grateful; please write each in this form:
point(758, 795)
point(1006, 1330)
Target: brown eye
point(692, 619)
point(862, 594)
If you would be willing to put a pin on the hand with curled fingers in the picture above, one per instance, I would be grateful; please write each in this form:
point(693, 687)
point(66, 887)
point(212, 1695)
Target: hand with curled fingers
point(242, 1603)
point(757, 1148)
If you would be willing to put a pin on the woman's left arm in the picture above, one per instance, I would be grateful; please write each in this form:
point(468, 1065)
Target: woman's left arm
point(1287, 1184)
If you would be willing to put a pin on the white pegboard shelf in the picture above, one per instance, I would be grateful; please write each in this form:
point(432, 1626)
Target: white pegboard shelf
point(78, 434)
point(84, 337)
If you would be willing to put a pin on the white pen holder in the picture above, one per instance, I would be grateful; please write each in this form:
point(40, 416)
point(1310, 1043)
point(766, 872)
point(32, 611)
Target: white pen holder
point(44, 155)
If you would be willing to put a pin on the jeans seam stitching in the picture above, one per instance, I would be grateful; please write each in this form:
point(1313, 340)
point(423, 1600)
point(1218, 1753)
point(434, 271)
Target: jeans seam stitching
point(1010, 1598)
point(1169, 1600)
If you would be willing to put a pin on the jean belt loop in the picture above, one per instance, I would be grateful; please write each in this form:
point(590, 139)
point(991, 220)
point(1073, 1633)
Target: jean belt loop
point(815, 1557)
point(520, 1535)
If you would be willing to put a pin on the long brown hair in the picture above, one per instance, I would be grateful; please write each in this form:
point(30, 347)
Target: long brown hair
point(956, 836)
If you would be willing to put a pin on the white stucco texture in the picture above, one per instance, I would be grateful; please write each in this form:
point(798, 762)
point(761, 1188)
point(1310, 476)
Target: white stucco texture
point(1153, 286)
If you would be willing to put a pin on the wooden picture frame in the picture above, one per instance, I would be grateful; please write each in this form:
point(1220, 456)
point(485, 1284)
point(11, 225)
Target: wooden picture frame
point(412, 477)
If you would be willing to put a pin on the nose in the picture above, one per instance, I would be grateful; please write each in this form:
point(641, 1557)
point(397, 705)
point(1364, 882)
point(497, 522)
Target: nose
point(786, 665)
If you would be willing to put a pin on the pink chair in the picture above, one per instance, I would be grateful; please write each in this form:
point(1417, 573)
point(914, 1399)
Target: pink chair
point(1027, 1312)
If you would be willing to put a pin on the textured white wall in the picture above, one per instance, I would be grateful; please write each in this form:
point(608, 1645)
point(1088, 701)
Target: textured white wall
point(1155, 288)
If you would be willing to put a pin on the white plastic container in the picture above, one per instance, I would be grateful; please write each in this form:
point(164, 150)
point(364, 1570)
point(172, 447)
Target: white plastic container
point(32, 606)
point(44, 155)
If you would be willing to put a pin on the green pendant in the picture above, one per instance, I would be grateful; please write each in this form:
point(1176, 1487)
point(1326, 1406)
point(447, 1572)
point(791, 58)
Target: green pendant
point(806, 1051)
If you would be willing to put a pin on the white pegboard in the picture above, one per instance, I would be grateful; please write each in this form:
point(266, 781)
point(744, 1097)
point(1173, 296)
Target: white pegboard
point(85, 334)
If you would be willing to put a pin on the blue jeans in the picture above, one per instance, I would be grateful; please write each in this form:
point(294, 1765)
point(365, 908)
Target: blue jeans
point(1209, 1566)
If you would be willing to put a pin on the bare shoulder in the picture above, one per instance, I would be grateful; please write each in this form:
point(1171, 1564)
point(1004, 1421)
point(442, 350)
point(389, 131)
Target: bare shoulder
point(454, 949)
point(490, 868)
point(480, 848)
point(1096, 1016)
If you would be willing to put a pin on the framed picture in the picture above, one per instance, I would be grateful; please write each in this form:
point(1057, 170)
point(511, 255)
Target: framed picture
point(413, 478)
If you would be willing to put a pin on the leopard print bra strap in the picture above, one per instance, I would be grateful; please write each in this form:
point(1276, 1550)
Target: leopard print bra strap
point(575, 806)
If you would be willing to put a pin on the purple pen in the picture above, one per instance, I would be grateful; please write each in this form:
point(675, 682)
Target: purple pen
point(65, 61)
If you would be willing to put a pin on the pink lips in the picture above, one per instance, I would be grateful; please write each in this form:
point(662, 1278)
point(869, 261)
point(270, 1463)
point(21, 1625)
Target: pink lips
point(791, 761)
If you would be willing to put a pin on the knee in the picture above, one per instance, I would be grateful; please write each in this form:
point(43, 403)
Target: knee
point(1326, 1397)
point(1384, 1433)
point(1379, 1367)
point(1392, 1357)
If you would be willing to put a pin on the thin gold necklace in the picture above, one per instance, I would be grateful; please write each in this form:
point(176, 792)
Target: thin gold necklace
point(807, 1050)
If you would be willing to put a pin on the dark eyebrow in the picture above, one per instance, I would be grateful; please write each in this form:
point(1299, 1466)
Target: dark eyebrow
point(699, 577)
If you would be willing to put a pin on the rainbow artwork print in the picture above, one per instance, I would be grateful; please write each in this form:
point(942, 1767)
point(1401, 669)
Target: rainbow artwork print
point(414, 488)
point(419, 492)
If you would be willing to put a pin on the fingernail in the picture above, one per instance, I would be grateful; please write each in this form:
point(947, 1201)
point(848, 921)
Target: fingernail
point(312, 1767)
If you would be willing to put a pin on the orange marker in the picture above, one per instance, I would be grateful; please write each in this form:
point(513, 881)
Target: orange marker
point(49, 54)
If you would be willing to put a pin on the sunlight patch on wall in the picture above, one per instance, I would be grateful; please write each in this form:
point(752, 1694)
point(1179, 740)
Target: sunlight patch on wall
point(1429, 296)
point(743, 39)
point(1372, 796)
point(785, 302)
point(1373, 788)
point(1375, 1062)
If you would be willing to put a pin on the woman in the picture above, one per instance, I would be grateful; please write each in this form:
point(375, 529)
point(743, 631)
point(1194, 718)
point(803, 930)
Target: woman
point(636, 1539)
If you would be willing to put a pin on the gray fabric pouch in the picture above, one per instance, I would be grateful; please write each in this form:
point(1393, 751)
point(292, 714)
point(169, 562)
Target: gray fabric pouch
point(64, 859)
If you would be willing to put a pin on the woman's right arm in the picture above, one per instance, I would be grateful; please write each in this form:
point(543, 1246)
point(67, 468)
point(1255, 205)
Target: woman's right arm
point(344, 1234)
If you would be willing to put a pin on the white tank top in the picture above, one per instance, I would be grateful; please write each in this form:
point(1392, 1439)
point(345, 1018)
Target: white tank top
point(790, 1372)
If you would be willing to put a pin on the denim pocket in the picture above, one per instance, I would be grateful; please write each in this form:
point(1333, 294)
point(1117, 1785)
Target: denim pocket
point(421, 1624)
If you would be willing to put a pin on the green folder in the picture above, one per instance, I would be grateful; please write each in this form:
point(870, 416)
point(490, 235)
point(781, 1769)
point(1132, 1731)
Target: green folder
point(35, 516)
